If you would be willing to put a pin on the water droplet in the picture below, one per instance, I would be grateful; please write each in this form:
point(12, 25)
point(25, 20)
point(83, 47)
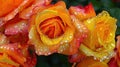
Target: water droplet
point(66, 41)
point(75, 13)
point(7, 48)
point(1, 47)
point(39, 53)
point(12, 49)
point(95, 58)
point(46, 54)
point(49, 53)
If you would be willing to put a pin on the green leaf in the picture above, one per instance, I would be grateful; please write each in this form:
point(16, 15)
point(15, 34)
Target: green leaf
point(97, 5)
point(118, 31)
point(107, 3)
point(76, 2)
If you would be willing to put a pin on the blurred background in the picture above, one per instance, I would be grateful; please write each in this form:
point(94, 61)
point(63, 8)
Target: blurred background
point(59, 60)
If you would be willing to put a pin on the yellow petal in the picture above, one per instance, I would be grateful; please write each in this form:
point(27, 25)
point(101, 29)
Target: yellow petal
point(68, 35)
point(101, 55)
point(7, 60)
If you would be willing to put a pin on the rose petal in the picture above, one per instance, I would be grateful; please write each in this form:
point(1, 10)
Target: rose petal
point(90, 62)
point(113, 63)
point(8, 6)
point(79, 56)
point(16, 28)
point(3, 39)
point(13, 13)
point(38, 5)
point(82, 13)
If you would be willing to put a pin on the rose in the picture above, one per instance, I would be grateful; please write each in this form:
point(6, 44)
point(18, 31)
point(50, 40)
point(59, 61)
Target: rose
point(100, 42)
point(51, 30)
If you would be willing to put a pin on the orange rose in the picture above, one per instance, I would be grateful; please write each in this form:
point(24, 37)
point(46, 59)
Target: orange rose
point(50, 29)
point(100, 42)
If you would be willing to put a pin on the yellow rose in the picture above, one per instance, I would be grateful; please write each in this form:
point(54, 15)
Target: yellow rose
point(101, 38)
point(51, 28)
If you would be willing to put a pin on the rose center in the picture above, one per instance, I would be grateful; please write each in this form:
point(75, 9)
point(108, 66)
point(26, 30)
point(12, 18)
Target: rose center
point(52, 27)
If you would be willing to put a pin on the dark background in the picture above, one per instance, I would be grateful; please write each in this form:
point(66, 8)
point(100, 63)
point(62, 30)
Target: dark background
point(112, 6)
